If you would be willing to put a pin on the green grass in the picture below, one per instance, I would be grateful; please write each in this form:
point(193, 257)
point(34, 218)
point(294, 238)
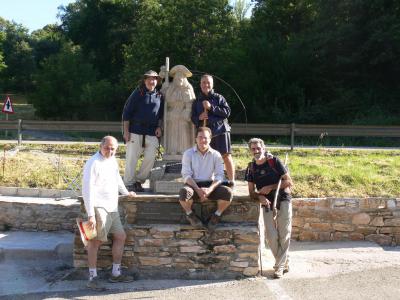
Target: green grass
point(316, 173)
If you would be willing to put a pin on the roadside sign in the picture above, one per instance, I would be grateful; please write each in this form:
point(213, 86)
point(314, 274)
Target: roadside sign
point(7, 106)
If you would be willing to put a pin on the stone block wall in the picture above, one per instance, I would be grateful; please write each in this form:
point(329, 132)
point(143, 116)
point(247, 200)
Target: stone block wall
point(161, 244)
point(38, 214)
point(333, 219)
point(179, 251)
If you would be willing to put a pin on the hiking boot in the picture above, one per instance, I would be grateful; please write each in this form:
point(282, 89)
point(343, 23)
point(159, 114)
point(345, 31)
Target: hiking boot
point(120, 278)
point(137, 187)
point(278, 273)
point(194, 220)
point(214, 220)
point(286, 269)
point(95, 284)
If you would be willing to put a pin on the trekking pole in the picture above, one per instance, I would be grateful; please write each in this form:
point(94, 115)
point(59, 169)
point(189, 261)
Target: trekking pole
point(274, 210)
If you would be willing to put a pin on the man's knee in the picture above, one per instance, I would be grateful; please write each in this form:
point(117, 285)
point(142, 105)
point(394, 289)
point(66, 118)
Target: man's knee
point(119, 236)
point(185, 194)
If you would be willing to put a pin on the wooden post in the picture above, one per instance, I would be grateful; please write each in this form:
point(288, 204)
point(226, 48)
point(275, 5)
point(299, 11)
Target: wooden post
point(292, 129)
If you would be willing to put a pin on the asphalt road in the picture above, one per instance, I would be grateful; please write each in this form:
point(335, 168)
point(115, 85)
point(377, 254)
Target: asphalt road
point(330, 270)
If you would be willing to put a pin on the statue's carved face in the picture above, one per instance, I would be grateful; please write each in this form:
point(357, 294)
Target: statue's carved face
point(206, 84)
point(178, 79)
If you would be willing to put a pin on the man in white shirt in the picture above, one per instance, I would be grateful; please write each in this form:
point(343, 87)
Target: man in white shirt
point(203, 173)
point(100, 187)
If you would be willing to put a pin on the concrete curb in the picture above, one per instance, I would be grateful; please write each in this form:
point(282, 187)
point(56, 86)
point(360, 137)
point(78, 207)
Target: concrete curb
point(38, 192)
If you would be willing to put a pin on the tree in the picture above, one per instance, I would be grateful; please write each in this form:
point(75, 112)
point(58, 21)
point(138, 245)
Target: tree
point(102, 28)
point(18, 57)
point(60, 84)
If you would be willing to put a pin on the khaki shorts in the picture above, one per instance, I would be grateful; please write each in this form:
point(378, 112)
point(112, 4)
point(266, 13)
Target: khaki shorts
point(107, 222)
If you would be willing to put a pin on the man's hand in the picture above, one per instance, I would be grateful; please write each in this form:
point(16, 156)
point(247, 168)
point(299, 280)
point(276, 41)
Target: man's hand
point(158, 132)
point(131, 194)
point(202, 194)
point(265, 190)
point(264, 201)
point(127, 136)
point(203, 116)
point(92, 222)
point(206, 105)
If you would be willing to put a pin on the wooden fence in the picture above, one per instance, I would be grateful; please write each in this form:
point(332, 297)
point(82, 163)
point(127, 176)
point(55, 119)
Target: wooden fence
point(291, 130)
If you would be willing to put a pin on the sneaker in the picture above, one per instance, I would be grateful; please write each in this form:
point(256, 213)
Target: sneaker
point(94, 284)
point(214, 220)
point(278, 273)
point(194, 220)
point(137, 186)
point(120, 278)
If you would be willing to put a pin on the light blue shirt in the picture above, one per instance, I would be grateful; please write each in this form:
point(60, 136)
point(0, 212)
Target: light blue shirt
point(201, 167)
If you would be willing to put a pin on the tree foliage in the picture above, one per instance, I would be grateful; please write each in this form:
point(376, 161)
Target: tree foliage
point(305, 61)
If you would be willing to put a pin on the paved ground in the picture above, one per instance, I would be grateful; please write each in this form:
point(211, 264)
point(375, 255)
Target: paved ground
point(38, 266)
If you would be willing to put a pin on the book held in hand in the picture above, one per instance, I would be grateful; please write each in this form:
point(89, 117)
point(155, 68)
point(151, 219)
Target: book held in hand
point(86, 232)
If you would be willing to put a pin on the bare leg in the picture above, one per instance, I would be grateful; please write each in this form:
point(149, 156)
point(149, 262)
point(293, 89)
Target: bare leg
point(187, 205)
point(92, 248)
point(222, 205)
point(118, 246)
point(229, 166)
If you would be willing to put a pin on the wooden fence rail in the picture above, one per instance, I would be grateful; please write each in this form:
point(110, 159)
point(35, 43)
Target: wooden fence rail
point(291, 130)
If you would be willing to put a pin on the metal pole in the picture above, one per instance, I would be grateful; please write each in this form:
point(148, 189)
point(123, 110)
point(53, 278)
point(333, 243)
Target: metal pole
point(6, 132)
point(19, 128)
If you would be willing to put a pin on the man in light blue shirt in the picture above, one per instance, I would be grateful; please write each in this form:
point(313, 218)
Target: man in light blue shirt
point(203, 173)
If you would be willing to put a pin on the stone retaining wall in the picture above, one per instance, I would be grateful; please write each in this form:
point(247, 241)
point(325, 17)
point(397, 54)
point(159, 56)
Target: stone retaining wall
point(161, 244)
point(38, 214)
point(333, 219)
point(179, 251)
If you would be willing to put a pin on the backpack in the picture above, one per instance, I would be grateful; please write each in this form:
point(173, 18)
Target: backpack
point(271, 162)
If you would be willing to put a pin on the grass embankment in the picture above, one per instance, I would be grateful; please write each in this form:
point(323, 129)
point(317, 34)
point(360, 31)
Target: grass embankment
point(316, 173)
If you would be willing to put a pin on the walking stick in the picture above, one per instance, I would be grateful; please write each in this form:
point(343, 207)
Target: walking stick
point(274, 210)
point(205, 111)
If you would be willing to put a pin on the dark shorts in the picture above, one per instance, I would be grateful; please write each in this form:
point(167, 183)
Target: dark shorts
point(221, 192)
point(222, 143)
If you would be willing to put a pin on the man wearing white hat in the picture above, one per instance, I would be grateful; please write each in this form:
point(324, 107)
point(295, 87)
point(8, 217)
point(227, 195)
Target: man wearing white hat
point(142, 120)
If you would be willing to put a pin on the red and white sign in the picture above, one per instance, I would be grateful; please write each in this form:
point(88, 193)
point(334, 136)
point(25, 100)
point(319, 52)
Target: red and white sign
point(7, 106)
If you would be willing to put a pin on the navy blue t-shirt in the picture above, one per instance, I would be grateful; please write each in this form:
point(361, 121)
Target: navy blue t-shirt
point(263, 175)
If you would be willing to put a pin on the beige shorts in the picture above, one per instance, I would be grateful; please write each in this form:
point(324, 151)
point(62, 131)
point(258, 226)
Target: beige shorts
point(107, 222)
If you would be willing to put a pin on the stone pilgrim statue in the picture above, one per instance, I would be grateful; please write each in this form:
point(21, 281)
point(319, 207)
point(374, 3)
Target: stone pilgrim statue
point(178, 128)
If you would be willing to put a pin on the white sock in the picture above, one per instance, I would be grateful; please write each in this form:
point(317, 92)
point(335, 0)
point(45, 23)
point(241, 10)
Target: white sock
point(189, 212)
point(116, 270)
point(218, 213)
point(92, 273)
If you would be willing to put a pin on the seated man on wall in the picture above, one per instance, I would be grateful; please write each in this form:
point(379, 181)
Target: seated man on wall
point(264, 173)
point(203, 173)
point(100, 186)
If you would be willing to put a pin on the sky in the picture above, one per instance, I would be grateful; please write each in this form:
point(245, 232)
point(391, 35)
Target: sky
point(32, 14)
point(35, 14)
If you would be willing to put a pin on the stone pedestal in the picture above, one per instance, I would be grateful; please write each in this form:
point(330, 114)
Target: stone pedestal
point(166, 178)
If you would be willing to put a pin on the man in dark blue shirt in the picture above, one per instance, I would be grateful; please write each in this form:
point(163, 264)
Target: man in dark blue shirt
point(142, 119)
point(264, 173)
point(211, 110)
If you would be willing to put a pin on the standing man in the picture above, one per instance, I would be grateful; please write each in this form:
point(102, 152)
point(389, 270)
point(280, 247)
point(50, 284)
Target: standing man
point(142, 119)
point(211, 110)
point(100, 187)
point(264, 173)
point(203, 173)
